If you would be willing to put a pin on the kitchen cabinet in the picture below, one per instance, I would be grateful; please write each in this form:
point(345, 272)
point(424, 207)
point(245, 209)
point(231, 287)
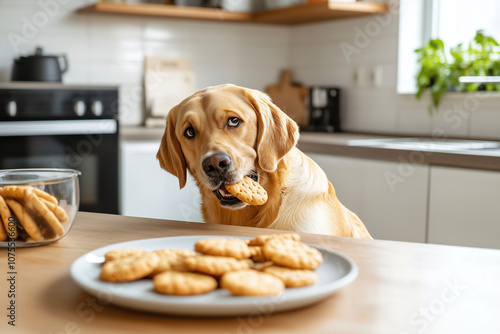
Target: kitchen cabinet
point(390, 210)
point(464, 207)
point(149, 191)
point(396, 201)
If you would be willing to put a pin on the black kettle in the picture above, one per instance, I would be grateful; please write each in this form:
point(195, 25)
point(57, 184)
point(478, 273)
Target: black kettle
point(39, 67)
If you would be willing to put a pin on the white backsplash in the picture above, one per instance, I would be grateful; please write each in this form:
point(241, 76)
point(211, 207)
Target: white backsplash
point(109, 49)
point(317, 59)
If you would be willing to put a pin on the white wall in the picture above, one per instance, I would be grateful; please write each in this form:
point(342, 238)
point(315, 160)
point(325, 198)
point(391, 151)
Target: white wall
point(371, 43)
point(109, 49)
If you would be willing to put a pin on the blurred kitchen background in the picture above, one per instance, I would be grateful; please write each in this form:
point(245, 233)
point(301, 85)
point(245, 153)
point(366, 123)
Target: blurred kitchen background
point(412, 169)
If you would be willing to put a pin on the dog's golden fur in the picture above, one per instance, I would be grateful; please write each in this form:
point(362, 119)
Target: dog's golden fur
point(300, 197)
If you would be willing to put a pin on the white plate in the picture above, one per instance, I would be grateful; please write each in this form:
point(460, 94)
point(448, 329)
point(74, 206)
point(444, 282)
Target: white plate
point(336, 272)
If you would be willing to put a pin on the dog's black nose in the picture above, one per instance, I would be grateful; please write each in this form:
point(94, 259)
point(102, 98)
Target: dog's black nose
point(216, 164)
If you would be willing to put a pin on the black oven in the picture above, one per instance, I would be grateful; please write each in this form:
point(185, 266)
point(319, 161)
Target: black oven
point(59, 126)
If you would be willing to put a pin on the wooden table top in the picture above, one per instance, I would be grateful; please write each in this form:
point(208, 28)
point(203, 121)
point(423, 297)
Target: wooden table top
point(402, 288)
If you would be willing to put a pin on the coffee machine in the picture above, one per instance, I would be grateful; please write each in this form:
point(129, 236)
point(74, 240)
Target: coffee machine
point(324, 109)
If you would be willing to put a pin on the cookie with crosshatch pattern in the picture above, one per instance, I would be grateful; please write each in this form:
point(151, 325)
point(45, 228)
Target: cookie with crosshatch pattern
point(292, 254)
point(216, 265)
point(183, 283)
point(172, 259)
point(248, 191)
point(293, 278)
point(251, 282)
point(231, 247)
point(129, 268)
point(122, 253)
point(262, 239)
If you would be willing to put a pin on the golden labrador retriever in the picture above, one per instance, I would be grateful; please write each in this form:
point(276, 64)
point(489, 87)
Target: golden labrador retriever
point(224, 133)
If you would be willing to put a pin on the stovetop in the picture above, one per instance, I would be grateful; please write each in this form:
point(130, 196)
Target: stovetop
point(56, 101)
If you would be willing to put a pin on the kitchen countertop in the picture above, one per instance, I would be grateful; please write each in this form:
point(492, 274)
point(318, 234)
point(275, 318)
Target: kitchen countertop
point(342, 144)
point(140, 133)
point(401, 288)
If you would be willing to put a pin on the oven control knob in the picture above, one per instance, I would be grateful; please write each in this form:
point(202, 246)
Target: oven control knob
point(79, 108)
point(12, 108)
point(97, 108)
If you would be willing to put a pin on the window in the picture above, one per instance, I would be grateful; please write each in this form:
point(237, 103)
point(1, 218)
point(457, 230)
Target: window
point(458, 20)
point(453, 21)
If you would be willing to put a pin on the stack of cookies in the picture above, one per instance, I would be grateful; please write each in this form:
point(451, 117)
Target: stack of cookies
point(263, 266)
point(37, 213)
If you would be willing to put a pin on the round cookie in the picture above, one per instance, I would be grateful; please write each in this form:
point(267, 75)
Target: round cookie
point(248, 191)
point(122, 253)
point(251, 283)
point(262, 239)
point(177, 283)
point(256, 254)
point(293, 278)
point(292, 254)
point(129, 268)
point(172, 259)
point(231, 247)
point(215, 265)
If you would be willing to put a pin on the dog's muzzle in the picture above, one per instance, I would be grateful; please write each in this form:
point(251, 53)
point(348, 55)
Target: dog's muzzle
point(219, 169)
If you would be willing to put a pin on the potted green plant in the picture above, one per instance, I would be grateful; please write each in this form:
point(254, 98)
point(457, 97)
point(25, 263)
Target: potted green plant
point(437, 75)
point(434, 72)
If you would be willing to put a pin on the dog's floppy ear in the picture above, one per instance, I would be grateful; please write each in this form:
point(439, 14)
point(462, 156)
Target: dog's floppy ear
point(170, 153)
point(277, 133)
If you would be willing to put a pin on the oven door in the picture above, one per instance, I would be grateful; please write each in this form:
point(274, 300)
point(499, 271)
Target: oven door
point(90, 146)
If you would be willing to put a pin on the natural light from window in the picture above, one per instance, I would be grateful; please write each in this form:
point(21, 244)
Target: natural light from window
point(458, 20)
point(453, 21)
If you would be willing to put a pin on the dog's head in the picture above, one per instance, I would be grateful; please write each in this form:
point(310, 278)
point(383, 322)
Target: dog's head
point(222, 134)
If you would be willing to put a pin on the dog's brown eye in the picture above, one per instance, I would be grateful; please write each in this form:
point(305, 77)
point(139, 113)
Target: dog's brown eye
point(233, 122)
point(189, 133)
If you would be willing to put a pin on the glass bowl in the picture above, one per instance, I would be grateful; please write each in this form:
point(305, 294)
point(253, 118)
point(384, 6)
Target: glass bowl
point(37, 206)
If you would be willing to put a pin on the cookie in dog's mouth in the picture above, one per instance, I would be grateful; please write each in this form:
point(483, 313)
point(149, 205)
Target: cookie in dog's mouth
point(227, 199)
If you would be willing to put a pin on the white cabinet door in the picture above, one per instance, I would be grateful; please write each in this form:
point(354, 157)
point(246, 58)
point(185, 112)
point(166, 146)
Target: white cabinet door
point(149, 191)
point(389, 197)
point(464, 207)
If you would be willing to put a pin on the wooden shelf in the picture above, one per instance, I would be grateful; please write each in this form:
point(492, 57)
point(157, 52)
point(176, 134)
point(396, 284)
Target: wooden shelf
point(321, 11)
point(306, 13)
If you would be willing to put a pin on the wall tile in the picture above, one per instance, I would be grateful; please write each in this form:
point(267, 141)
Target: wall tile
point(153, 48)
point(258, 77)
point(334, 76)
point(205, 77)
point(451, 121)
point(73, 48)
point(131, 104)
point(18, 33)
point(77, 72)
point(334, 30)
point(413, 117)
point(116, 49)
point(102, 26)
point(369, 110)
point(116, 72)
point(5, 68)
point(12, 14)
point(485, 123)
